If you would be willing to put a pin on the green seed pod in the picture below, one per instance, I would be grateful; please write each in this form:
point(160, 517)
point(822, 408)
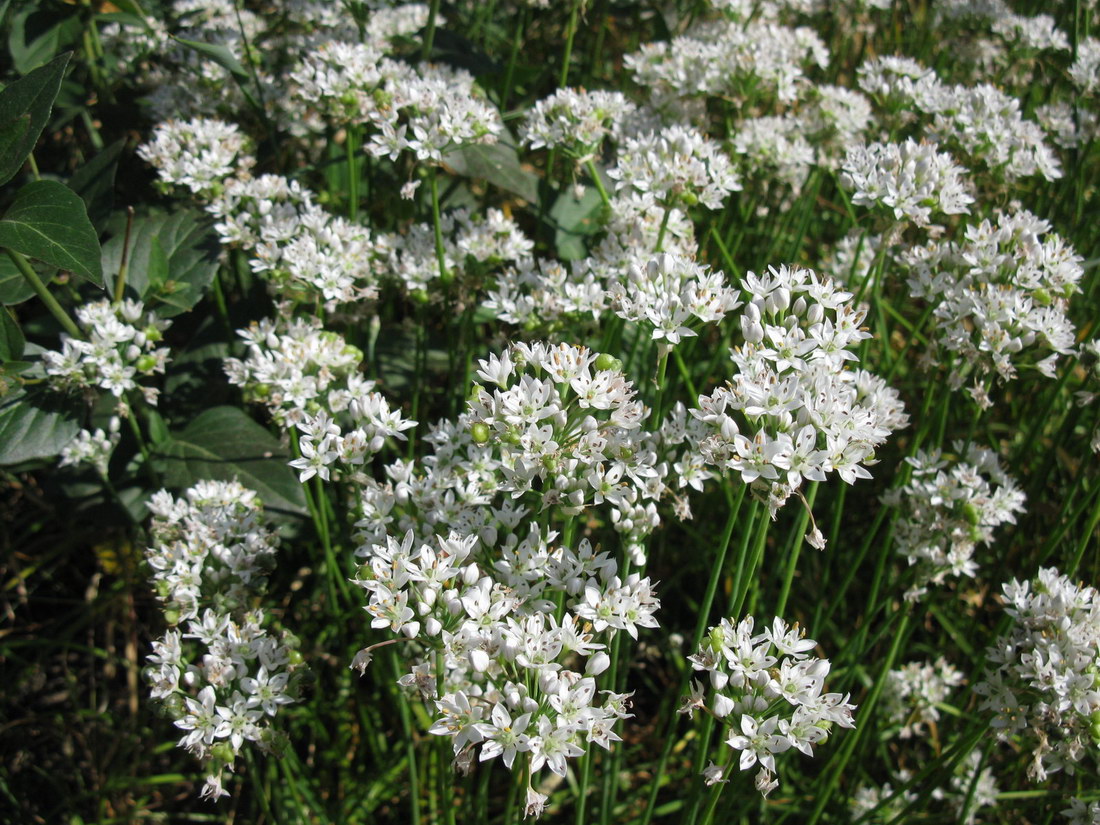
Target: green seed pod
point(605, 362)
point(479, 432)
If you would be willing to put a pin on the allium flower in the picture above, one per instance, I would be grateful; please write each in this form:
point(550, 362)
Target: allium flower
point(200, 155)
point(911, 693)
point(576, 121)
point(1085, 71)
point(768, 692)
point(1042, 682)
point(949, 509)
point(678, 166)
point(911, 180)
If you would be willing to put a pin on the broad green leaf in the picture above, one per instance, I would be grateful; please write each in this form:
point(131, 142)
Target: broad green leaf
point(14, 288)
point(39, 34)
point(32, 96)
point(219, 54)
point(173, 259)
point(47, 221)
point(13, 132)
point(496, 163)
point(11, 337)
point(224, 444)
point(573, 218)
point(36, 423)
point(95, 183)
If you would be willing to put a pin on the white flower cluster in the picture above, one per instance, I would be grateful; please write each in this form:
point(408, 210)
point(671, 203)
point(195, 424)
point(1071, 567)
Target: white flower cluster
point(775, 148)
point(1046, 689)
point(792, 410)
point(197, 154)
point(986, 124)
point(209, 555)
point(473, 244)
point(1081, 812)
point(948, 510)
point(726, 58)
point(1000, 293)
point(671, 293)
point(542, 291)
point(912, 692)
point(678, 166)
point(971, 788)
point(1085, 71)
point(503, 634)
point(912, 181)
point(768, 691)
point(309, 379)
point(93, 448)
point(120, 347)
point(577, 121)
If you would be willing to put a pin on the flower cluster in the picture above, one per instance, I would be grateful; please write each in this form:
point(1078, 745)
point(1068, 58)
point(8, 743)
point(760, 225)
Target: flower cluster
point(577, 122)
point(499, 641)
point(197, 154)
point(219, 671)
point(118, 348)
point(671, 293)
point(93, 448)
point(792, 410)
point(912, 692)
point(911, 181)
point(678, 166)
point(768, 691)
point(1001, 293)
point(1044, 687)
point(949, 509)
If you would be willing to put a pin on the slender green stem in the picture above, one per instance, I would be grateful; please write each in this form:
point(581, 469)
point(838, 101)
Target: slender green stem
point(594, 173)
point(664, 228)
point(716, 789)
point(429, 35)
point(351, 147)
point(437, 226)
point(124, 263)
point(31, 277)
point(570, 33)
point(795, 547)
point(510, 69)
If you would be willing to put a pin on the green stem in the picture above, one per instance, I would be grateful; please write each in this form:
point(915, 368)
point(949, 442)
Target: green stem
point(570, 33)
point(510, 70)
point(351, 147)
point(663, 229)
point(795, 548)
point(429, 36)
point(437, 226)
point(31, 277)
point(590, 165)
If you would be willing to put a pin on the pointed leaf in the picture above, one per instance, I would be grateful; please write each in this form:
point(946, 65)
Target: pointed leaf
point(498, 163)
point(47, 221)
point(95, 183)
point(36, 424)
point(11, 337)
point(173, 259)
point(224, 444)
point(32, 95)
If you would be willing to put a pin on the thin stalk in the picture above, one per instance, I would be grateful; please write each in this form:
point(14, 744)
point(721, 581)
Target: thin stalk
point(437, 226)
point(429, 36)
point(743, 582)
point(590, 165)
point(31, 277)
point(124, 264)
point(663, 229)
point(716, 790)
point(510, 69)
point(1083, 543)
point(351, 147)
point(794, 548)
point(570, 33)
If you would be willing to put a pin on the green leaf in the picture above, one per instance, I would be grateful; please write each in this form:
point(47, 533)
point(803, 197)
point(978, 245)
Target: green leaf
point(36, 423)
point(222, 444)
point(14, 288)
point(497, 163)
point(219, 54)
point(47, 221)
point(173, 259)
point(11, 337)
point(573, 218)
point(30, 96)
point(39, 34)
point(94, 182)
